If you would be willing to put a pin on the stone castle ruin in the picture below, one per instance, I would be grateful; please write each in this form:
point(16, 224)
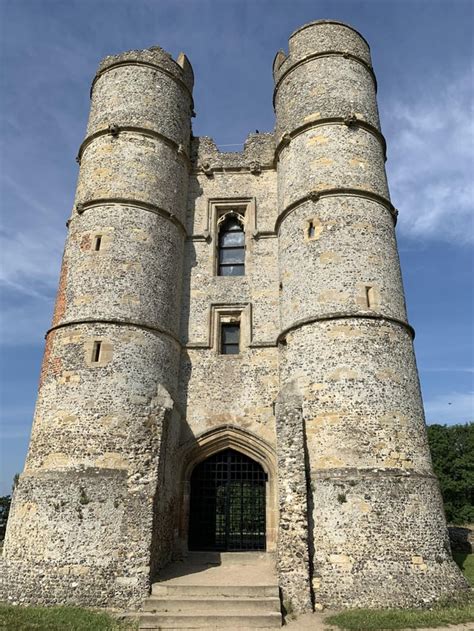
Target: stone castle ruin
point(230, 367)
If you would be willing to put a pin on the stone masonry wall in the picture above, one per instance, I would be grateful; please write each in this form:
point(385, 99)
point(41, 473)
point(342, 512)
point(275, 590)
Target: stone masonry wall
point(380, 532)
point(295, 538)
point(216, 389)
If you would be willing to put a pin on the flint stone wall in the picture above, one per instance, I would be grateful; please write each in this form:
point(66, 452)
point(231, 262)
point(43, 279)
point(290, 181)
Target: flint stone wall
point(295, 536)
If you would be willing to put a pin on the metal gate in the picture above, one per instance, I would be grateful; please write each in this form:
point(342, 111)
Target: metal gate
point(227, 511)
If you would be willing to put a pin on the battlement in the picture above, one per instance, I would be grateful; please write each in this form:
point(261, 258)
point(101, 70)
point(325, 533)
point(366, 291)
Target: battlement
point(319, 22)
point(154, 56)
point(258, 152)
point(321, 38)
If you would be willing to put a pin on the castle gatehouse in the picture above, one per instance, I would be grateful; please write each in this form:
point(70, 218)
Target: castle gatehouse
point(230, 368)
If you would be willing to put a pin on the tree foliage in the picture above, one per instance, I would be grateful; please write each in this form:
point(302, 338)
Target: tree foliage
point(4, 510)
point(5, 503)
point(452, 450)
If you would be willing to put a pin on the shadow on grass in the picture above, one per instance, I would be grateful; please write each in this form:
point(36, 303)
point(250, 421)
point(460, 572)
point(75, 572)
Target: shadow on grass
point(465, 562)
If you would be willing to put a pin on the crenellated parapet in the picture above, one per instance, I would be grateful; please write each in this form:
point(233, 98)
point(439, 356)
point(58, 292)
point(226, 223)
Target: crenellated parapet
point(258, 153)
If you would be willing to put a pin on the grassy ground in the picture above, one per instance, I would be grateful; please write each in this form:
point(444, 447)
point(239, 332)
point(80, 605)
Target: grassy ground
point(58, 619)
point(377, 620)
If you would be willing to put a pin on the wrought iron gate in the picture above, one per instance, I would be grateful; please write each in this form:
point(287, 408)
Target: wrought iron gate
point(227, 510)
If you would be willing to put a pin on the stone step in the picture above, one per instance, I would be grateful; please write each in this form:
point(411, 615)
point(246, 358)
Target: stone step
point(222, 605)
point(172, 590)
point(228, 558)
point(203, 621)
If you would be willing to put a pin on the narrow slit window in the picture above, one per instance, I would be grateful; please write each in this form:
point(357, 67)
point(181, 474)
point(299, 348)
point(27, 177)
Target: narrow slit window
point(311, 230)
point(369, 296)
point(97, 242)
point(230, 338)
point(96, 348)
point(231, 249)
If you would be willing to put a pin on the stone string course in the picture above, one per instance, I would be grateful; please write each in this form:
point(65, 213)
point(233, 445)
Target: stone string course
point(324, 393)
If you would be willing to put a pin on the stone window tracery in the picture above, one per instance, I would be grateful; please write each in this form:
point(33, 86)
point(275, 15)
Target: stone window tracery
point(231, 245)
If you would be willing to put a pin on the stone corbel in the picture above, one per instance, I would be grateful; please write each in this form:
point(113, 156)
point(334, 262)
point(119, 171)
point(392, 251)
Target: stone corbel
point(114, 130)
point(351, 120)
point(285, 139)
point(255, 168)
point(207, 169)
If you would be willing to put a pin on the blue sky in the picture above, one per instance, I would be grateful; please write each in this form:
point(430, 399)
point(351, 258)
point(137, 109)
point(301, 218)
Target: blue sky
point(422, 54)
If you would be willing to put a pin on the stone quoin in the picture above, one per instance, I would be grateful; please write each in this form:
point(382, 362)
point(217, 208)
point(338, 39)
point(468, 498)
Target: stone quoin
point(232, 314)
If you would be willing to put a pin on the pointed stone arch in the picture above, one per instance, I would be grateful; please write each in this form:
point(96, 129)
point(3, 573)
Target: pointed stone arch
point(212, 441)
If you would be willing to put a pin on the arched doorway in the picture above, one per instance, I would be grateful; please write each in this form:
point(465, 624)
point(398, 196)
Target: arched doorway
point(227, 503)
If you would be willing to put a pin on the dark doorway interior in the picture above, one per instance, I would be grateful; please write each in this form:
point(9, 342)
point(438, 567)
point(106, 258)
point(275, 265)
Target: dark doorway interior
point(227, 511)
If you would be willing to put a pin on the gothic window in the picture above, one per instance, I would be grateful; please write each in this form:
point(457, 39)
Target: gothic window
point(231, 246)
point(230, 338)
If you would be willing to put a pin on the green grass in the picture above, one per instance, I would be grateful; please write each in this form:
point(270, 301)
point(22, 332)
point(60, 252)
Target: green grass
point(466, 565)
point(58, 619)
point(381, 619)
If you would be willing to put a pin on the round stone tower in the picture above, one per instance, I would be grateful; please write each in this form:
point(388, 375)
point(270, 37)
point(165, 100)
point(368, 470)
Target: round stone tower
point(350, 389)
point(89, 500)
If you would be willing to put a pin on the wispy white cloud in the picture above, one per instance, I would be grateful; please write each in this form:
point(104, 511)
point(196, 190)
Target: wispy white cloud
point(431, 142)
point(21, 192)
point(25, 323)
point(30, 261)
point(29, 270)
point(452, 407)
